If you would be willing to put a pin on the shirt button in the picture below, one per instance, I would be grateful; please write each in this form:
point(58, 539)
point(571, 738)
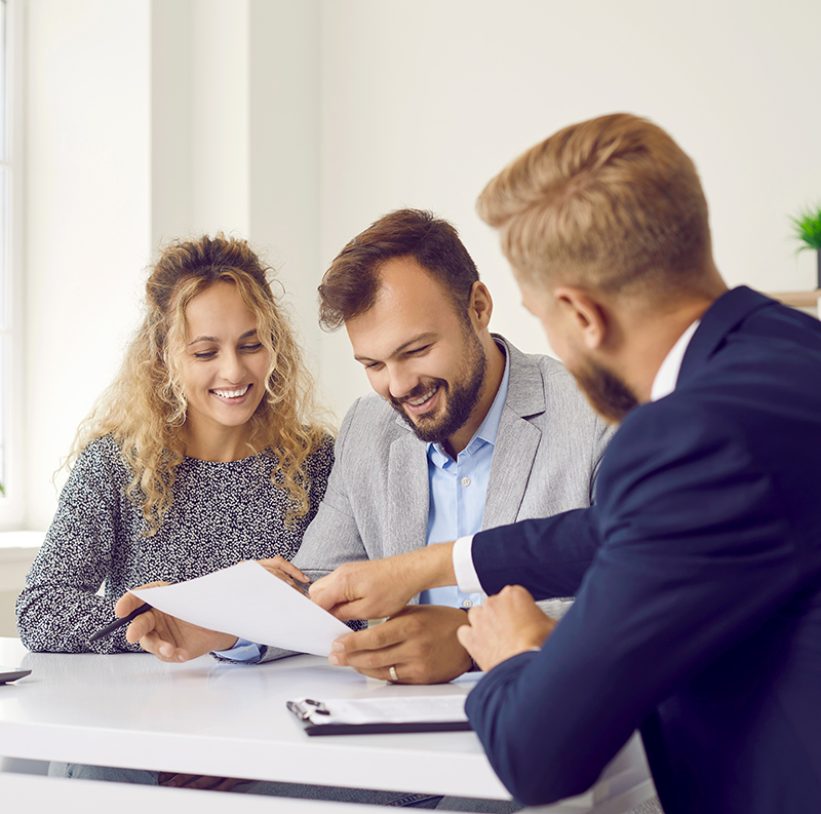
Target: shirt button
point(467, 603)
point(466, 481)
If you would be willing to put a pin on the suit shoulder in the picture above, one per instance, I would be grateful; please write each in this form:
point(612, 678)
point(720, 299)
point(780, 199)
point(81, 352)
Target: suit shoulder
point(372, 419)
point(554, 371)
point(672, 429)
point(560, 387)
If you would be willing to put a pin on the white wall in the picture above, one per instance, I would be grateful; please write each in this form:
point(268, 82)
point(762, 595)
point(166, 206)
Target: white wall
point(87, 216)
point(149, 120)
point(423, 101)
point(283, 135)
point(298, 123)
point(234, 132)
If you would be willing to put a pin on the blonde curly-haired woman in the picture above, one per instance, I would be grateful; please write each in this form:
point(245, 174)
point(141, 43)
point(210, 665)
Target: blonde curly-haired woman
point(203, 452)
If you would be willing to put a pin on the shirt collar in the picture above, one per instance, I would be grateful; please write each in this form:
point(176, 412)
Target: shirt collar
point(489, 428)
point(667, 376)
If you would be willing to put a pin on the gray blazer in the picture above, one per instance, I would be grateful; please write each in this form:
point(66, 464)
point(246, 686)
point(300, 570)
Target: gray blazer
point(376, 505)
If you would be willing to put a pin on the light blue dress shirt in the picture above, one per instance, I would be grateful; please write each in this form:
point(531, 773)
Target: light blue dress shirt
point(458, 493)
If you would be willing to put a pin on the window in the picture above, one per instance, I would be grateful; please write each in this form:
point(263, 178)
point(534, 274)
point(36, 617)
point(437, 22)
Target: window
point(11, 503)
point(4, 326)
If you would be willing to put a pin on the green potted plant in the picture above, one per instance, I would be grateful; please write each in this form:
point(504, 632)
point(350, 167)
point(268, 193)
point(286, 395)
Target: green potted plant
point(808, 231)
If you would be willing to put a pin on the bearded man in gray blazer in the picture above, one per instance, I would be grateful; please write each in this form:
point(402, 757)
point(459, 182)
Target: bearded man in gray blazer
point(464, 433)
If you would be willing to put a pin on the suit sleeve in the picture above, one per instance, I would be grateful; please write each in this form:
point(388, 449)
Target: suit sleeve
point(549, 556)
point(564, 545)
point(695, 554)
point(333, 538)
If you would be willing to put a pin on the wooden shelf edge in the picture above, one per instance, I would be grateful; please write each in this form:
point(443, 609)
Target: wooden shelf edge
point(798, 299)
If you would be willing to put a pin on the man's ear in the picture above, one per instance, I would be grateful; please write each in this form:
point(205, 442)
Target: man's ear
point(584, 312)
point(480, 306)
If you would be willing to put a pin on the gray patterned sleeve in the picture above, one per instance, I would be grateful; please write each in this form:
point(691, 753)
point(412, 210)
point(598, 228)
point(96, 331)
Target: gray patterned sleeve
point(59, 607)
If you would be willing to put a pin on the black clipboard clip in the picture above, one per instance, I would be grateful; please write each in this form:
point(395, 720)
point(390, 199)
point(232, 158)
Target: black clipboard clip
point(307, 707)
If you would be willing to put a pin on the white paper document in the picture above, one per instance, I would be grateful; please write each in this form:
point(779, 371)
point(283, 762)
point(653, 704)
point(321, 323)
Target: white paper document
point(247, 601)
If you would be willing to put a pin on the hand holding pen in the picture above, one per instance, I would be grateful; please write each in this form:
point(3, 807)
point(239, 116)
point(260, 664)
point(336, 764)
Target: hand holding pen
point(127, 617)
point(118, 623)
point(174, 640)
point(168, 638)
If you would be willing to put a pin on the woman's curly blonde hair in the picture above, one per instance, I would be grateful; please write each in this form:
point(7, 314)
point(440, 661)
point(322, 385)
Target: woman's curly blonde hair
point(144, 409)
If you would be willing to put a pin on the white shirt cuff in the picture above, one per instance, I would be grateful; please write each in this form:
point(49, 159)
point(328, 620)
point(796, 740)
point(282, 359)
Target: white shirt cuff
point(466, 577)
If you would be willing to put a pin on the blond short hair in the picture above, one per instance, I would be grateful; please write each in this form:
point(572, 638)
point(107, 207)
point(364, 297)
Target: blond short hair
point(609, 203)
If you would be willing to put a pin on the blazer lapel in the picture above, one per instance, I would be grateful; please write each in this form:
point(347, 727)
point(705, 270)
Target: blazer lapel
point(516, 446)
point(516, 442)
point(408, 494)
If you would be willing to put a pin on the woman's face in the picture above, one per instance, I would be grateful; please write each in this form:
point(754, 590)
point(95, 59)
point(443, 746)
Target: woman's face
point(223, 364)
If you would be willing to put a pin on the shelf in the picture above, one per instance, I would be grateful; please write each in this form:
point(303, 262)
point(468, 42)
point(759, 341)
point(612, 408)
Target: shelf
point(798, 299)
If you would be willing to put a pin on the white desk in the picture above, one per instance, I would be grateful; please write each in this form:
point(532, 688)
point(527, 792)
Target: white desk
point(206, 717)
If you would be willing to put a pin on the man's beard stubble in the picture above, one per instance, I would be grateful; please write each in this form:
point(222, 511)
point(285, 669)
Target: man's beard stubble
point(608, 395)
point(462, 395)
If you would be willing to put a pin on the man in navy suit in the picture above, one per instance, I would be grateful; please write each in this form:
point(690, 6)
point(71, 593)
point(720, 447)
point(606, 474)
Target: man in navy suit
point(698, 572)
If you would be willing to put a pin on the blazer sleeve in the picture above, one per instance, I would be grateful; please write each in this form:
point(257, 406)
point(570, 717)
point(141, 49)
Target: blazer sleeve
point(333, 538)
point(696, 553)
point(548, 556)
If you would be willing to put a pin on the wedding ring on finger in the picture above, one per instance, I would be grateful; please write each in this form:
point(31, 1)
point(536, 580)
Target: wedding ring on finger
point(394, 678)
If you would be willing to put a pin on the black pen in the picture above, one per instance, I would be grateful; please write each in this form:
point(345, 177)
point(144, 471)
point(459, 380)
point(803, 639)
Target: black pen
point(118, 623)
point(302, 587)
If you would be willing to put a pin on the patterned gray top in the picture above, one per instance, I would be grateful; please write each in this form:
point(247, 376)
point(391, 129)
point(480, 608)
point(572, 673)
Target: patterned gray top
point(222, 513)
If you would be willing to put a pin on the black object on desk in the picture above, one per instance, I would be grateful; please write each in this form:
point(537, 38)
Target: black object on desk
point(12, 674)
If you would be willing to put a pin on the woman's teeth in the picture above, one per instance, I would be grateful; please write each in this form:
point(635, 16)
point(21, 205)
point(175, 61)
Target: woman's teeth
point(231, 394)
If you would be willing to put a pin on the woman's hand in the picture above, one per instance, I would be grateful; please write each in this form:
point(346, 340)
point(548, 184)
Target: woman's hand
point(169, 638)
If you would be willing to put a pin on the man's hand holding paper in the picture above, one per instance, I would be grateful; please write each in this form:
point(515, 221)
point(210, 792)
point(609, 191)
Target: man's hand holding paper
point(419, 643)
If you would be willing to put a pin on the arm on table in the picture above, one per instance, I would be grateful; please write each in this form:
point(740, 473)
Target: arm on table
point(59, 608)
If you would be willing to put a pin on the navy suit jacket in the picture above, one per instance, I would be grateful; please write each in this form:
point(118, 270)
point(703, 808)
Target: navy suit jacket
point(698, 578)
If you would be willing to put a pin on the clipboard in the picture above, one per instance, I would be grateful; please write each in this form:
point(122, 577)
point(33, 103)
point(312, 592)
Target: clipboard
point(372, 716)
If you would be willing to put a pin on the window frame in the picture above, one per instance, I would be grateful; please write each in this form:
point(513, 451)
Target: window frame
point(12, 503)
